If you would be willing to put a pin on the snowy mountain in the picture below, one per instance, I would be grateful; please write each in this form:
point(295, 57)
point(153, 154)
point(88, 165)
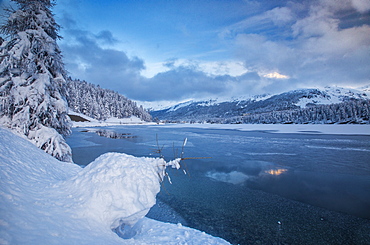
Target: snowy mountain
point(334, 95)
point(286, 107)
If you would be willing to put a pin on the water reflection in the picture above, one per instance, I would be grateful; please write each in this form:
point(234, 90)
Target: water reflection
point(276, 171)
point(237, 177)
point(233, 177)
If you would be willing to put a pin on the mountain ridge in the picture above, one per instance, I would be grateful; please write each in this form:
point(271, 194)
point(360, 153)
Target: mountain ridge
point(294, 100)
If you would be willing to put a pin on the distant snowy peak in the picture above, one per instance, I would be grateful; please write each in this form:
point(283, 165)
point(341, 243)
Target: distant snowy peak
point(262, 97)
point(178, 106)
point(345, 93)
point(204, 110)
point(216, 101)
point(332, 95)
point(300, 97)
point(366, 89)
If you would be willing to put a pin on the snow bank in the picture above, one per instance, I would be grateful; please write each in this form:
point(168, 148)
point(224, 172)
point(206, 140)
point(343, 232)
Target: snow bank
point(91, 122)
point(109, 122)
point(45, 201)
point(132, 119)
point(116, 188)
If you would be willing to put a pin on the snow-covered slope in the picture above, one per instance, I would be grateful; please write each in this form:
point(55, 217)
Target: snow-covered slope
point(238, 107)
point(333, 95)
point(45, 201)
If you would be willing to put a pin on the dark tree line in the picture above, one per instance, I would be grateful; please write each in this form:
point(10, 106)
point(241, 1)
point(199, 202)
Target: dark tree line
point(353, 111)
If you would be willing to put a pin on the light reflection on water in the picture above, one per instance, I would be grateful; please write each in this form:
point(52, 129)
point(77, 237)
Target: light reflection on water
point(276, 171)
point(255, 180)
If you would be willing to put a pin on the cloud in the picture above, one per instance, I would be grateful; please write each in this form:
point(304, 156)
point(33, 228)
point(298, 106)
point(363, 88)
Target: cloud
point(87, 58)
point(275, 75)
point(170, 63)
point(106, 37)
point(300, 44)
point(94, 58)
point(316, 48)
point(273, 20)
point(361, 6)
point(211, 68)
point(217, 68)
point(190, 81)
point(279, 15)
point(179, 83)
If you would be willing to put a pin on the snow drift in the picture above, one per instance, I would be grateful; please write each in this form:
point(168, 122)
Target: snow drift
point(116, 188)
point(45, 201)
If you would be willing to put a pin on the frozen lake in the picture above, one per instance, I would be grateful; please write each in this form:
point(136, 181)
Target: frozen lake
point(258, 187)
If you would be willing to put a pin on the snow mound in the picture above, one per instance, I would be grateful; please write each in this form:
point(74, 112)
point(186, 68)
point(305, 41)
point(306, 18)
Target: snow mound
point(45, 201)
point(116, 188)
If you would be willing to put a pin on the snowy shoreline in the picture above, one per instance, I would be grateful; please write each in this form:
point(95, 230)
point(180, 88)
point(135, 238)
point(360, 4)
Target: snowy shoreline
point(338, 129)
point(46, 201)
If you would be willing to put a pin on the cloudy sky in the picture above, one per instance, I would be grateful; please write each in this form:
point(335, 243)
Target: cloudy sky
point(169, 50)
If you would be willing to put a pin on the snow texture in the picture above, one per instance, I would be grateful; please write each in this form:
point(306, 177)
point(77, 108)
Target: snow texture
point(45, 201)
point(32, 78)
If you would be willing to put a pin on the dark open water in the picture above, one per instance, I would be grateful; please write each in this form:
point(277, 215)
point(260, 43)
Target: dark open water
point(258, 187)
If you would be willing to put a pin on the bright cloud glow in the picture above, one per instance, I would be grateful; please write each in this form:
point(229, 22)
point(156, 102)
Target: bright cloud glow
point(275, 75)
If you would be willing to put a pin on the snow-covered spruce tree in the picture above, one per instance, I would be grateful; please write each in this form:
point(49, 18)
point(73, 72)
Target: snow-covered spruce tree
point(32, 78)
point(99, 103)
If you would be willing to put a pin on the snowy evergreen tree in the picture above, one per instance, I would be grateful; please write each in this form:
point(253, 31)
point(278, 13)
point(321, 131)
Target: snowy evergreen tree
point(32, 78)
point(101, 104)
